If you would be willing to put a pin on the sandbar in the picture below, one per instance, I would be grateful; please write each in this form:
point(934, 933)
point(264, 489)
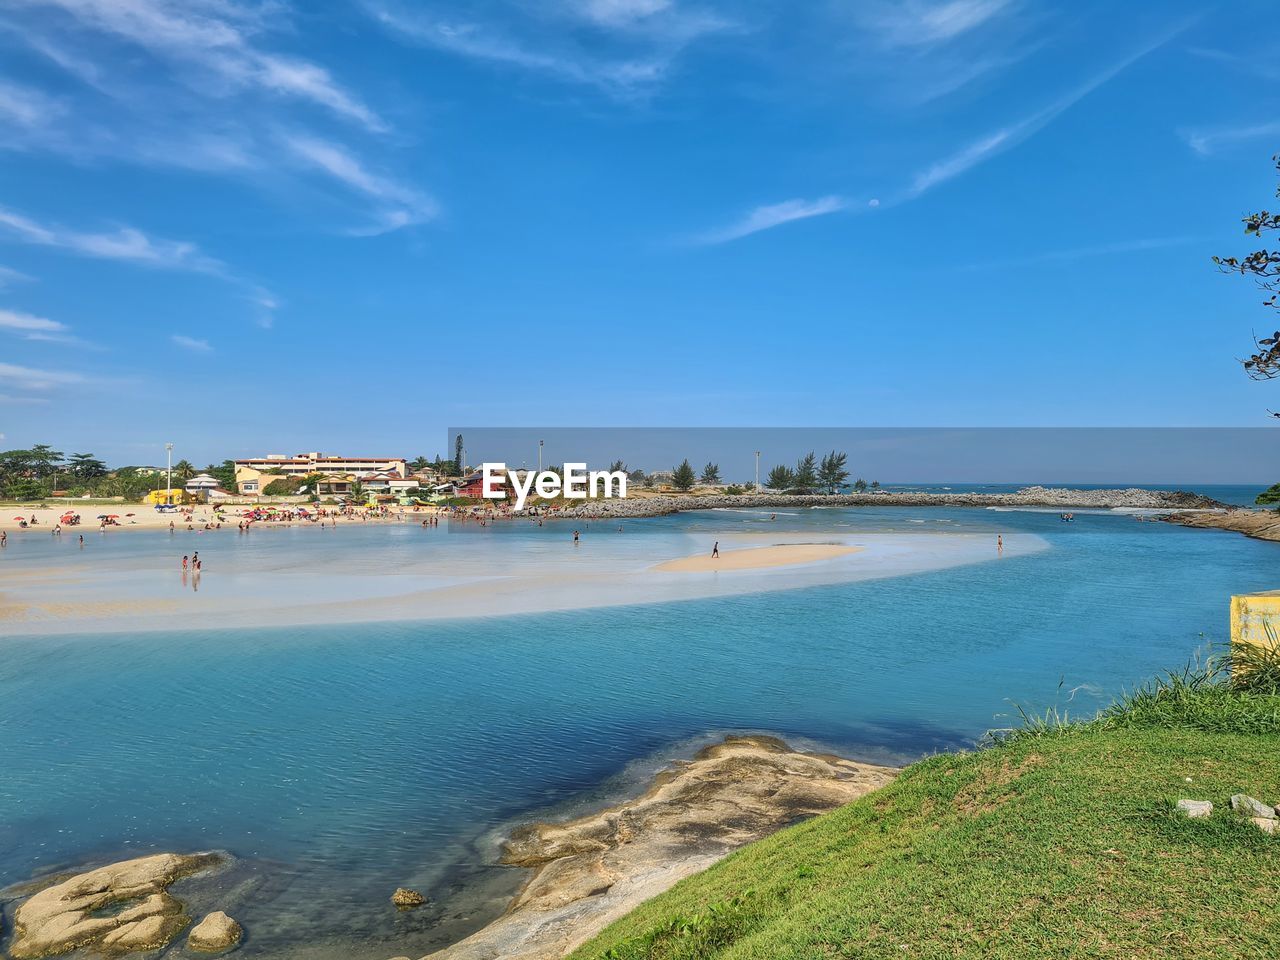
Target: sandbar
point(757, 558)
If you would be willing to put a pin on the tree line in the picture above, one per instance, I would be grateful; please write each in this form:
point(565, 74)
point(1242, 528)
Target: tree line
point(41, 471)
point(809, 475)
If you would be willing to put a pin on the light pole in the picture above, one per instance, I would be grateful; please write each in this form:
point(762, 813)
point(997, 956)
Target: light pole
point(757, 471)
point(540, 442)
point(168, 483)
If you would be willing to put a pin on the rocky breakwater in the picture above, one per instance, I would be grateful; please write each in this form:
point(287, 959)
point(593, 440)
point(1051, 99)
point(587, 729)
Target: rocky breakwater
point(1056, 497)
point(595, 869)
point(1259, 524)
point(121, 908)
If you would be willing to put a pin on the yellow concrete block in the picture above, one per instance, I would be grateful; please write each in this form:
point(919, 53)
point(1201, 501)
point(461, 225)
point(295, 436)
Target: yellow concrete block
point(1255, 618)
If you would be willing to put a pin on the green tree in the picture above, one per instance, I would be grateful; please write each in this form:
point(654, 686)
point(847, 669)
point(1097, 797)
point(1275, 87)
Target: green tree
point(357, 491)
point(45, 460)
point(638, 477)
point(418, 464)
point(831, 472)
point(283, 487)
point(1269, 496)
point(807, 472)
point(780, 478)
point(27, 488)
point(683, 477)
point(85, 467)
point(711, 473)
point(875, 484)
point(458, 465)
point(618, 466)
point(184, 470)
point(859, 486)
point(1263, 266)
point(225, 474)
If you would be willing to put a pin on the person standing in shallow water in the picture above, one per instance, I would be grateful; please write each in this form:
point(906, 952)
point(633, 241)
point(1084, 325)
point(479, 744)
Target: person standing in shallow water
point(1000, 543)
point(575, 538)
point(715, 550)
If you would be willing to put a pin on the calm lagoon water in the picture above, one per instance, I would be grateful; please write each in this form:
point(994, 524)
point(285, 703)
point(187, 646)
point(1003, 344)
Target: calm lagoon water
point(340, 762)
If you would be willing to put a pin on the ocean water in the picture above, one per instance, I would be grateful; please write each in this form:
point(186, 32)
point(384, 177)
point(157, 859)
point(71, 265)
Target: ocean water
point(338, 762)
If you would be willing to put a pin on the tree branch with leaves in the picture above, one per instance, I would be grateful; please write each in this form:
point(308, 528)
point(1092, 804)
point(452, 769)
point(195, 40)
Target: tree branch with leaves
point(1264, 267)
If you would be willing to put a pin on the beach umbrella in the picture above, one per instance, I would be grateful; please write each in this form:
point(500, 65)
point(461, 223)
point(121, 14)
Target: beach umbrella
point(19, 518)
point(101, 516)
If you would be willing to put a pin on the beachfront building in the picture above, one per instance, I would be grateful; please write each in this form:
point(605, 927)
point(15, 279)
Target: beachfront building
point(253, 475)
point(203, 488)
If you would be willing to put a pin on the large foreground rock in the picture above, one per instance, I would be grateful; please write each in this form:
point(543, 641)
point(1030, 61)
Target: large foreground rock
point(591, 871)
point(121, 908)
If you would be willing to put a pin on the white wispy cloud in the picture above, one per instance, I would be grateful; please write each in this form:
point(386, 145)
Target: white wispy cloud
point(657, 32)
point(915, 23)
point(128, 244)
point(774, 215)
point(31, 327)
point(191, 343)
point(997, 142)
point(26, 106)
point(9, 276)
point(125, 243)
point(1205, 142)
point(29, 324)
point(29, 378)
point(614, 12)
point(220, 38)
point(399, 205)
point(912, 52)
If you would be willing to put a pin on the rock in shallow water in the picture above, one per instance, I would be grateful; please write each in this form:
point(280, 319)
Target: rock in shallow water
point(405, 898)
point(120, 908)
point(215, 933)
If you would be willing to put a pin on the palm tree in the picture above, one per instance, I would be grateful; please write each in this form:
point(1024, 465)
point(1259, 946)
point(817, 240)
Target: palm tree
point(184, 470)
point(419, 464)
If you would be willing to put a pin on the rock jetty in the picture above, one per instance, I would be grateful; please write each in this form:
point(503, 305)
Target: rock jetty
point(1059, 498)
point(1259, 524)
point(593, 870)
point(120, 908)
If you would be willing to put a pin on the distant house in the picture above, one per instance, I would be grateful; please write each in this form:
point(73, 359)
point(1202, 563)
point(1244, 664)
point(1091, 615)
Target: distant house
point(333, 485)
point(471, 486)
point(204, 488)
point(384, 484)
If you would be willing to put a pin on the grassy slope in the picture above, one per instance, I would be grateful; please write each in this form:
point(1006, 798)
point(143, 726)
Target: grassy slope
point(1059, 843)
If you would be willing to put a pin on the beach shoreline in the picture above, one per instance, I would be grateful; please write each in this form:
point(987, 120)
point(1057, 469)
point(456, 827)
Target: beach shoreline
point(141, 517)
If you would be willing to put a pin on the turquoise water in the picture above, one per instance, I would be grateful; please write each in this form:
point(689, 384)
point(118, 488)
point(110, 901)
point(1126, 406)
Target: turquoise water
point(340, 762)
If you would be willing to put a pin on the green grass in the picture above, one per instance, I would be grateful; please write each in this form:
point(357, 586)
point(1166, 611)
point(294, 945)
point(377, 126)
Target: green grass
point(1061, 840)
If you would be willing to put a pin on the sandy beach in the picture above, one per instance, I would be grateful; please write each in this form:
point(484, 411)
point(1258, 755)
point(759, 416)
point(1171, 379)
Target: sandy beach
point(757, 558)
point(277, 574)
point(136, 516)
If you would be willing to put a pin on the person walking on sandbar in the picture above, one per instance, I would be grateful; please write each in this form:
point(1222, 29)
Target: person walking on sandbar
point(715, 551)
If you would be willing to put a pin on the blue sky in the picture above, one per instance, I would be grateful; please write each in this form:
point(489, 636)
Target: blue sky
point(254, 227)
